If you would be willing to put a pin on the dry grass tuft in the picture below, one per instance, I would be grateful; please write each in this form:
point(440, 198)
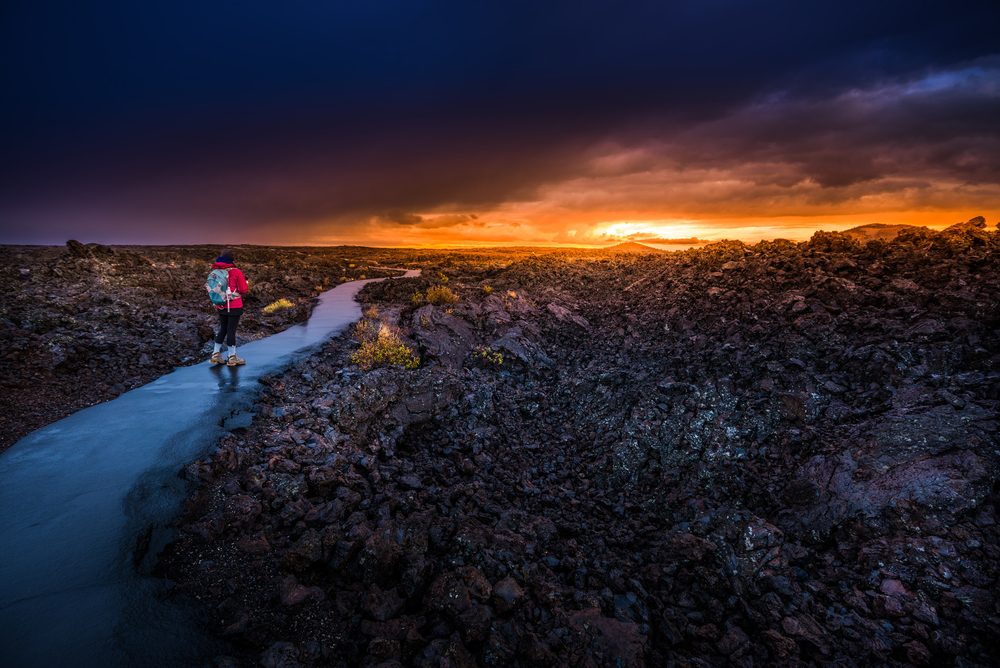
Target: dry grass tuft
point(278, 305)
point(381, 347)
point(439, 294)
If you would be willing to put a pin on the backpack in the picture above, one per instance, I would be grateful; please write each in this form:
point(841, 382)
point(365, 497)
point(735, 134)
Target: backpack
point(218, 287)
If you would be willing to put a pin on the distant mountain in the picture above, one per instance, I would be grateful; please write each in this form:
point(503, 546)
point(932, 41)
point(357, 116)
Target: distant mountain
point(631, 247)
point(874, 231)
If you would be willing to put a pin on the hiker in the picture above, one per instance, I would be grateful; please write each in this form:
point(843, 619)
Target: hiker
point(227, 286)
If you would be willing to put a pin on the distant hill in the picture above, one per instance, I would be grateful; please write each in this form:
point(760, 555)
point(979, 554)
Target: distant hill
point(872, 231)
point(631, 247)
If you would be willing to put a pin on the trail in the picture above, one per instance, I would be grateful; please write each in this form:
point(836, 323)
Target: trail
point(86, 501)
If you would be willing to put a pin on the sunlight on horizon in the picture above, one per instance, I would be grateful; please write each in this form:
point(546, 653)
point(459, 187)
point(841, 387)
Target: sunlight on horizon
point(628, 230)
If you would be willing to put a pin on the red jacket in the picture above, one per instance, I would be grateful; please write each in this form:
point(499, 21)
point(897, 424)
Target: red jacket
point(237, 283)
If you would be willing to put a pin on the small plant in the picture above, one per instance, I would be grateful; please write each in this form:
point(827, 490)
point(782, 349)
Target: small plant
point(364, 330)
point(371, 312)
point(439, 294)
point(278, 305)
point(417, 298)
point(488, 356)
point(442, 277)
point(487, 290)
point(425, 322)
point(384, 349)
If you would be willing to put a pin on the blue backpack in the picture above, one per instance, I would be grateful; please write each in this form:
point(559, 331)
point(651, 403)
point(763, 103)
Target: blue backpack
point(218, 287)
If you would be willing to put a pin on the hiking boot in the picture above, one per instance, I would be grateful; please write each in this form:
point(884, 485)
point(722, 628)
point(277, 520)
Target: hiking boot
point(236, 361)
point(217, 358)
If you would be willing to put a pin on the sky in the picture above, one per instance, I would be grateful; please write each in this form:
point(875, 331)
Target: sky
point(427, 123)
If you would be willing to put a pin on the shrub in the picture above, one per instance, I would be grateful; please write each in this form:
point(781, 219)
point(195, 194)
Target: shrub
point(417, 298)
point(364, 330)
point(383, 349)
point(439, 294)
point(487, 290)
point(278, 305)
point(488, 356)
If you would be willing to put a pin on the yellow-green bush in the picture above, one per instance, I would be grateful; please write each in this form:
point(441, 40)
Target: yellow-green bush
point(383, 349)
point(487, 290)
point(439, 294)
point(488, 356)
point(278, 305)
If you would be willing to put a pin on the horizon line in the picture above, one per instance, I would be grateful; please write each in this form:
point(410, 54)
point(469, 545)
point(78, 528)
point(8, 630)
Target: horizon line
point(687, 243)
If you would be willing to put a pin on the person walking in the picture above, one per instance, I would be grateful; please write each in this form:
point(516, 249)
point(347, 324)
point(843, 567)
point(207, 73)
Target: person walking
point(227, 286)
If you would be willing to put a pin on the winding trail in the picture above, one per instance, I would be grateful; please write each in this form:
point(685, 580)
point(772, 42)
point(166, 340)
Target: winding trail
point(86, 500)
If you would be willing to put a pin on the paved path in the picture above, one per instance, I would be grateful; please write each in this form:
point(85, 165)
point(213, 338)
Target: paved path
point(76, 496)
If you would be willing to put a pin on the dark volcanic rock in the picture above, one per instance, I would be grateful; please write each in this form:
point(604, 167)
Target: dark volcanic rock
point(780, 454)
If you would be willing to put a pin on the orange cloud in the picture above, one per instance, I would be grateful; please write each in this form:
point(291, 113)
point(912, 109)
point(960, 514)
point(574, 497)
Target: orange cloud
point(923, 150)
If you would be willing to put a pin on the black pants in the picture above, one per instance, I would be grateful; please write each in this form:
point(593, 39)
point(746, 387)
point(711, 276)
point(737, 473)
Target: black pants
point(227, 325)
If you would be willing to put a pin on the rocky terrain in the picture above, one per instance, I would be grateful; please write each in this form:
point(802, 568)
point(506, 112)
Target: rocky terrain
point(738, 455)
point(84, 323)
point(879, 231)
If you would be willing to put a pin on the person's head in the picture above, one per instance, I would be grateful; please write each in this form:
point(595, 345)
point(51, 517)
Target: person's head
point(226, 255)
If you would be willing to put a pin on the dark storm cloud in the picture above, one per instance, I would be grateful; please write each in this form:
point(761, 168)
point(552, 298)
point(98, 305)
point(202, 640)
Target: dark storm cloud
point(426, 222)
point(262, 117)
point(401, 218)
point(928, 125)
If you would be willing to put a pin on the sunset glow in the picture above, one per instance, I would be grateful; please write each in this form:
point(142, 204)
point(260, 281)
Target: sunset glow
point(473, 143)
